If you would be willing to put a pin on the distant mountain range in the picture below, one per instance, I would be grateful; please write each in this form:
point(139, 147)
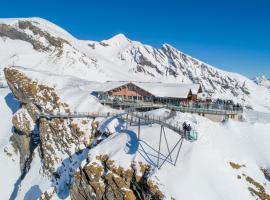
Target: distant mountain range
point(41, 45)
point(263, 81)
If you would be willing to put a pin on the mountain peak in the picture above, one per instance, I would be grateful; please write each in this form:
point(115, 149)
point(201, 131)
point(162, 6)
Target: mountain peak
point(118, 40)
point(262, 77)
point(262, 80)
point(120, 37)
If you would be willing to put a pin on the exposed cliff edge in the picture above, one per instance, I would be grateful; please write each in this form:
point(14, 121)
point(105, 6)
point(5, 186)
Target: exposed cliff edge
point(63, 146)
point(101, 179)
point(55, 135)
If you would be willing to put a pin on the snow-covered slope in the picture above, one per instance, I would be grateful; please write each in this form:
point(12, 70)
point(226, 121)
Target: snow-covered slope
point(39, 44)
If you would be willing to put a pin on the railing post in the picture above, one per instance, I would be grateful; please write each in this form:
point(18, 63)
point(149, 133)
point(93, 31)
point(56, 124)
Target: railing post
point(159, 146)
point(127, 122)
point(139, 129)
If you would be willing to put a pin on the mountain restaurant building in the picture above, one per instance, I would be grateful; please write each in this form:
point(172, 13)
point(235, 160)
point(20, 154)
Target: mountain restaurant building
point(157, 92)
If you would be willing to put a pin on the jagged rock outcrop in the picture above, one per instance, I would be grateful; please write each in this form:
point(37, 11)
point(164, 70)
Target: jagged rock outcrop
point(45, 41)
point(23, 145)
point(102, 179)
point(168, 62)
point(48, 195)
point(18, 34)
point(40, 97)
point(23, 121)
point(57, 138)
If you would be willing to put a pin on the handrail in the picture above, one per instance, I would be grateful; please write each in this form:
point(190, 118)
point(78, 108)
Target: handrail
point(188, 108)
point(149, 118)
point(175, 126)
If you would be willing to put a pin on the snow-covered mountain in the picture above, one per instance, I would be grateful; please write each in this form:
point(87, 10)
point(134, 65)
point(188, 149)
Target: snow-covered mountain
point(263, 81)
point(38, 44)
point(51, 159)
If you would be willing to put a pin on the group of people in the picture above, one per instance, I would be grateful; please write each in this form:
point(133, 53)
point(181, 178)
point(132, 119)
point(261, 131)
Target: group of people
point(216, 104)
point(186, 127)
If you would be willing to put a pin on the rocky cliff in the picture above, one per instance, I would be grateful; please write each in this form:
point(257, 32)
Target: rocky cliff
point(53, 134)
point(62, 146)
point(101, 179)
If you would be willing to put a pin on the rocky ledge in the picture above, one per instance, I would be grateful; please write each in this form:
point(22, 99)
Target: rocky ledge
point(101, 179)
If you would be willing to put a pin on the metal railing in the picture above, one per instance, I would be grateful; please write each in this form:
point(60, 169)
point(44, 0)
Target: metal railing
point(132, 117)
point(212, 108)
point(173, 125)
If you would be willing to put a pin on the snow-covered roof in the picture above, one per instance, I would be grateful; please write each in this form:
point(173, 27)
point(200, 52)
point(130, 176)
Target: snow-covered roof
point(175, 90)
point(110, 85)
point(158, 89)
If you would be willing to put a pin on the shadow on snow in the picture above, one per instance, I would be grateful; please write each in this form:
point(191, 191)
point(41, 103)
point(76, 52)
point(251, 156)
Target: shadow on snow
point(12, 103)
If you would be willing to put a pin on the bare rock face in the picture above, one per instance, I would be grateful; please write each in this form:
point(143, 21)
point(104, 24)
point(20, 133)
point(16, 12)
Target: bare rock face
point(48, 195)
point(102, 179)
point(168, 62)
point(23, 122)
point(57, 138)
point(40, 97)
point(17, 33)
point(23, 145)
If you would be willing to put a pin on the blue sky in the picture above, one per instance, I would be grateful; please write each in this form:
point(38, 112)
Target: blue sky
point(229, 34)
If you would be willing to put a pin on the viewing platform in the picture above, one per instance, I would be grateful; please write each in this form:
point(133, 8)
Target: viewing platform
point(213, 111)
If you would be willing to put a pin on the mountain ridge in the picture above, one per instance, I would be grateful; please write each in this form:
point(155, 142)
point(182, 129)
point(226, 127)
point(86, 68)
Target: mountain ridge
point(38, 44)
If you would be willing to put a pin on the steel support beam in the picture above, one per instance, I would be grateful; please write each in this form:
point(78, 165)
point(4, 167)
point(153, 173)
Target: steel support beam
point(181, 139)
point(159, 146)
point(167, 143)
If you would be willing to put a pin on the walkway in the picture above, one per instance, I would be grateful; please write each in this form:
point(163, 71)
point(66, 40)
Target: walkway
point(137, 118)
point(130, 117)
point(211, 109)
